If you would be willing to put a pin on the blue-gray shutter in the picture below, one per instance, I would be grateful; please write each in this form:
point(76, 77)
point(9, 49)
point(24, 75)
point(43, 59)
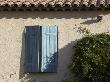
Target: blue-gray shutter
point(49, 56)
point(41, 49)
point(32, 44)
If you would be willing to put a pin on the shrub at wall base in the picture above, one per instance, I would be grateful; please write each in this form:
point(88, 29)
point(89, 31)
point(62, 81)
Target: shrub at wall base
point(91, 61)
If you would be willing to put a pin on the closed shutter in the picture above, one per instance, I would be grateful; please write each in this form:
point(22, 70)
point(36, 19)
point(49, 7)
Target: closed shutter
point(41, 44)
point(32, 38)
point(49, 58)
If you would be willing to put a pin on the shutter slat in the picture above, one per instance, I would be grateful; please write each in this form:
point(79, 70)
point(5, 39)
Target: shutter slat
point(55, 48)
point(52, 45)
point(40, 49)
point(43, 61)
point(47, 49)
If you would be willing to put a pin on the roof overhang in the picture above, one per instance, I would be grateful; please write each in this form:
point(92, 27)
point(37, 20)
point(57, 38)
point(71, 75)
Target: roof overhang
point(54, 5)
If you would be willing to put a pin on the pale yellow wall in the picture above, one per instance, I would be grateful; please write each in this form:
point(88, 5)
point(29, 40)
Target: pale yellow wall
point(12, 25)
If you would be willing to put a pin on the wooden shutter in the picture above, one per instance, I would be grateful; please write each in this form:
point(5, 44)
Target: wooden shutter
point(41, 46)
point(32, 43)
point(49, 58)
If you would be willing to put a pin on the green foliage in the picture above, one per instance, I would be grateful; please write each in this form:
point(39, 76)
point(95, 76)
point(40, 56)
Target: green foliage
point(91, 61)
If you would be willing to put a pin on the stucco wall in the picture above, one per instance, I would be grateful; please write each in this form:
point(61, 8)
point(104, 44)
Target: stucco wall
point(12, 26)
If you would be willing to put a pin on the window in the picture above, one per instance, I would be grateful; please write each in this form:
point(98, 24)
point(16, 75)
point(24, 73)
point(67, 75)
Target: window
point(41, 46)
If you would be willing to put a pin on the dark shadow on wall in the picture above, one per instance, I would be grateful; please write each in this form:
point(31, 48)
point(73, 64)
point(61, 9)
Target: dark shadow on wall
point(88, 22)
point(52, 14)
point(22, 59)
point(64, 58)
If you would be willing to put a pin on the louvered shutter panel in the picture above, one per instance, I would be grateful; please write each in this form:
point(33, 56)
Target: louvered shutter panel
point(32, 44)
point(49, 58)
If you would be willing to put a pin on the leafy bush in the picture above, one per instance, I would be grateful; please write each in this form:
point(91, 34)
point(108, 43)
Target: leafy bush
point(91, 61)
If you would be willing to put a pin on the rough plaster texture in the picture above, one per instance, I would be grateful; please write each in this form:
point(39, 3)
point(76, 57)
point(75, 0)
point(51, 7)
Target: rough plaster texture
point(12, 26)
